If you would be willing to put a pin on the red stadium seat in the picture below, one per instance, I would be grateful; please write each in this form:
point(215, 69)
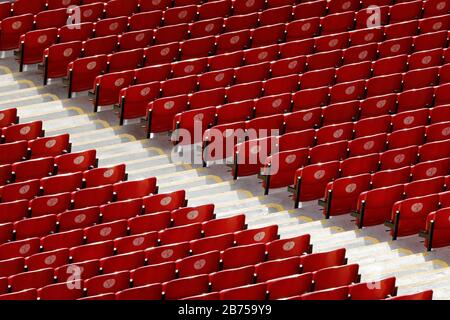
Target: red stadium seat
point(107, 283)
point(125, 190)
point(13, 211)
point(13, 152)
point(49, 259)
point(341, 195)
point(61, 291)
point(317, 261)
point(149, 292)
point(92, 196)
point(23, 131)
point(53, 204)
point(273, 269)
point(62, 183)
point(149, 222)
point(205, 263)
point(241, 256)
point(83, 71)
point(289, 286)
point(80, 218)
point(31, 279)
point(20, 190)
point(375, 290)
point(340, 293)
point(220, 242)
point(108, 86)
point(310, 181)
point(185, 287)
point(135, 242)
point(424, 295)
point(103, 176)
point(122, 262)
point(32, 169)
point(153, 274)
point(13, 28)
point(136, 39)
point(76, 161)
point(249, 292)
point(374, 206)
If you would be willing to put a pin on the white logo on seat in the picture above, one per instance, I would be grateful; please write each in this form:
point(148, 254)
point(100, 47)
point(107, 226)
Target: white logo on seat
point(408, 120)
point(199, 264)
point(91, 65)
point(50, 260)
point(288, 246)
point(78, 160)
point(259, 236)
point(395, 47)
point(333, 43)
point(2, 116)
point(24, 248)
point(368, 37)
point(381, 103)
point(165, 201)
point(23, 190)
point(52, 202)
point(209, 27)
point(119, 82)
point(308, 116)
point(249, 3)
point(306, 26)
point(369, 145)
point(431, 172)
point(351, 187)
point(50, 144)
point(167, 253)
point(426, 60)
point(42, 39)
point(192, 215)
point(417, 207)
point(140, 37)
point(156, 2)
point(363, 54)
point(277, 103)
point(346, 5)
point(138, 241)
point(437, 26)
point(106, 231)
point(169, 105)
point(88, 13)
point(350, 90)
point(234, 39)
point(109, 283)
point(189, 68)
point(182, 14)
point(338, 133)
point(164, 52)
point(290, 158)
point(399, 158)
point(219, 77)
point(292, 64)
point(16, 25)
point(441, 5)
point(113, 26)
point(80, 218)
point(145, 91)
point(68, 52)
point(319, 174)
point(65, 2)
point(25, 130)
point(263, 55)
point(108, 173)
point(446, 131)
